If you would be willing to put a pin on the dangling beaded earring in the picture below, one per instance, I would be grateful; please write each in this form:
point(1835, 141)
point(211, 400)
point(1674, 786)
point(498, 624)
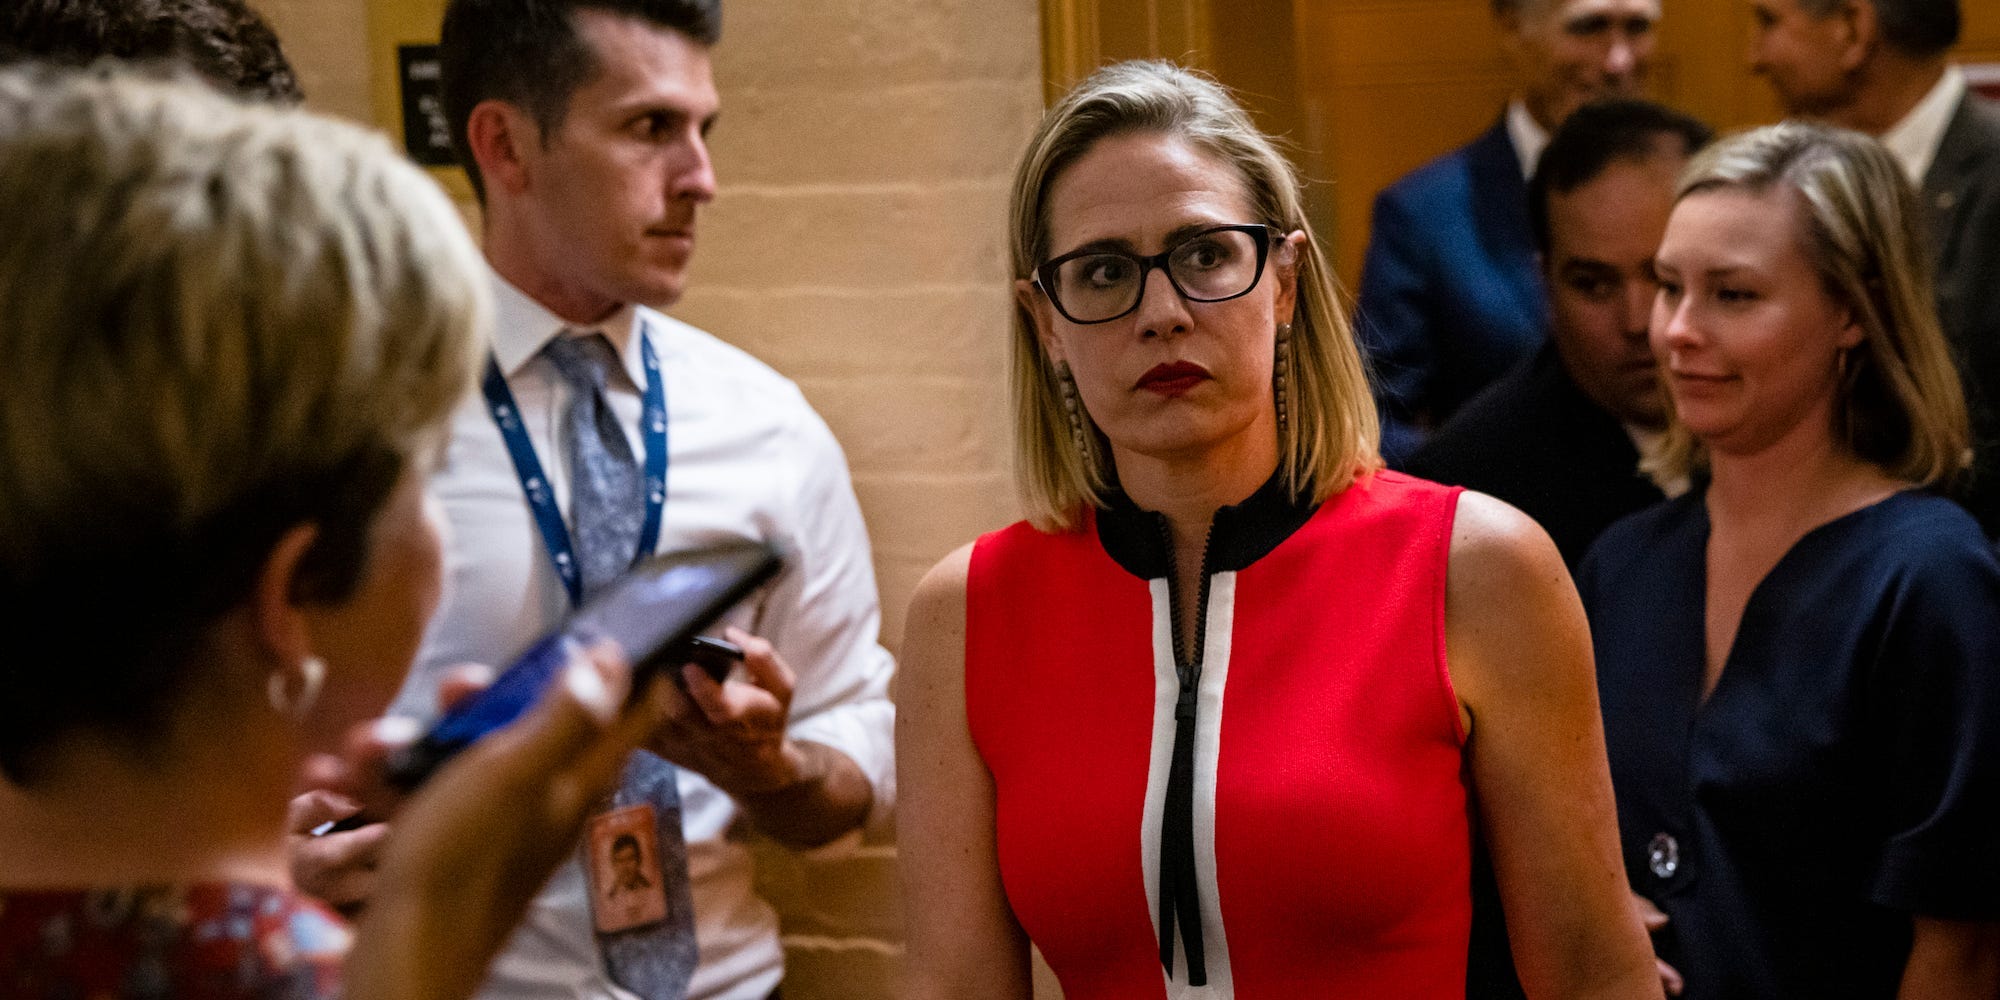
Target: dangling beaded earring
point(1281, 370)
point(1079, 432)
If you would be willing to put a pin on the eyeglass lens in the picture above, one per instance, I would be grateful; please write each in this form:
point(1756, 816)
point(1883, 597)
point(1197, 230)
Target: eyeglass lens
point(1219, 264)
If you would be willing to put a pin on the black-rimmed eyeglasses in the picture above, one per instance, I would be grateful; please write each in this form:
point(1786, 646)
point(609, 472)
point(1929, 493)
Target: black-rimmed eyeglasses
point(1100, 285)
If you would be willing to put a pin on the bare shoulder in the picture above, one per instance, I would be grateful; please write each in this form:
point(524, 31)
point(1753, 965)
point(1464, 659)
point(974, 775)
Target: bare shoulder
point(963, 940)
point(1510, 608)
point(940, 595)
point(934, 630)
point(1492, 543)
point(1519, 656)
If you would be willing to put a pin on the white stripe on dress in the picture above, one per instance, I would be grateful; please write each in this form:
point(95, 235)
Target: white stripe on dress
point(1207, 749)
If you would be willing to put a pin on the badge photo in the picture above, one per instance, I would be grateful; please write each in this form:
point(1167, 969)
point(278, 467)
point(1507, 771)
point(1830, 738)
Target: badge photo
point(626, 889)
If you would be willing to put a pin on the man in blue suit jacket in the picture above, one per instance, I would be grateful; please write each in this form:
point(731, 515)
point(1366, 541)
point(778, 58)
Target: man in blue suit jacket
point(1450, 291)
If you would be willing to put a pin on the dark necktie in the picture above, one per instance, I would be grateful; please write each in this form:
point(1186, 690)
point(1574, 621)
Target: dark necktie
point(607, 509)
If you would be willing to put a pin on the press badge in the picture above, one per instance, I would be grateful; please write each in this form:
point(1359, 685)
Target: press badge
point(626, 888)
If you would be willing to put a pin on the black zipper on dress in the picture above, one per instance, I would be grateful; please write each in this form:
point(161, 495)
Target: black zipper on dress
point(1180, 898)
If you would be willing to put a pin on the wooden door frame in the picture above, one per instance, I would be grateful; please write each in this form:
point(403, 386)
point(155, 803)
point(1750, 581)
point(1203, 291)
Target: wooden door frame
point(1073, 37)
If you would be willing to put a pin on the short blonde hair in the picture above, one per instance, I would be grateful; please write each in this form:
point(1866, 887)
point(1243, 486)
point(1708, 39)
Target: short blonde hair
point(1901, 407)
point(221, 321)
point(1331, 434)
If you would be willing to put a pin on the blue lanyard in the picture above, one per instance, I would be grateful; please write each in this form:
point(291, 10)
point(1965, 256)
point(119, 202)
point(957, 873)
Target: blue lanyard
point(535, 485)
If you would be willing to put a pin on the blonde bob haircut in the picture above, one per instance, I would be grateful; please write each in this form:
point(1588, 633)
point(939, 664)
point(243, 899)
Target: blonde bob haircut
point(1331, 433)
point(222, 321)
point(1900, 406)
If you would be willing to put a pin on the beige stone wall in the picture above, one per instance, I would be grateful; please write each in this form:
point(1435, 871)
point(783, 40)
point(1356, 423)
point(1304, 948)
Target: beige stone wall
point(858, 246)
point(327, 41)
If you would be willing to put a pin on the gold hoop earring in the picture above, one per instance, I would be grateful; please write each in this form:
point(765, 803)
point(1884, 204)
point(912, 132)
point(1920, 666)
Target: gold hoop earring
point(296, 705)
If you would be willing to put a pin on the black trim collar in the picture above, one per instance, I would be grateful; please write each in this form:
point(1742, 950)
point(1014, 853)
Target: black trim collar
point(1137, 539)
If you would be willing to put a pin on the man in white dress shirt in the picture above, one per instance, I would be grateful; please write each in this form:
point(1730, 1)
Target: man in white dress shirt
point(582, 124)
point(1884, 67)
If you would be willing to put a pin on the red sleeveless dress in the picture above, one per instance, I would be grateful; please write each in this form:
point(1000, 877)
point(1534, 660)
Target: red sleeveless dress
point(1320, 817)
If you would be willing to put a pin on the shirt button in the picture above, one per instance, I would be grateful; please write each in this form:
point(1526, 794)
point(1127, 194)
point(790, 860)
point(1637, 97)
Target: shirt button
point(1663, 855)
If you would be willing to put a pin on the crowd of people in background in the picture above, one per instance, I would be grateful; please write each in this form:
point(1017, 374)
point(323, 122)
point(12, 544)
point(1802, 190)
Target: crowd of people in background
point(1607, 608)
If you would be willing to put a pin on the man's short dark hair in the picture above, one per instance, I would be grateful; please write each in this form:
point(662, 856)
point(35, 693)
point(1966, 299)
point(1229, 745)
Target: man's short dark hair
point(222, 40)
point(528, 53)
point(625, 840)
point(1921, 28)
point(1602, 133)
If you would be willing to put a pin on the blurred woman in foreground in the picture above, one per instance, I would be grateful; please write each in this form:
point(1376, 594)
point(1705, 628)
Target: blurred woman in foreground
point(1216, 721)
point(231, 336)
point(1800, 660)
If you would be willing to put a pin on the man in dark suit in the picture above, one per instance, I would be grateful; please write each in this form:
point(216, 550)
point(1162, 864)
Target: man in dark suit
point(1449, 294)
point(1557, 436)
point(1883, 67)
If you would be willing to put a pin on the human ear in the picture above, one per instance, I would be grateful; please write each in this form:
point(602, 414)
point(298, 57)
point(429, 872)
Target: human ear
point(1041, 317)
point(1285, 254)
point(502, 140)
point(1852, 335)
point(278, 615)
point(1859, 30)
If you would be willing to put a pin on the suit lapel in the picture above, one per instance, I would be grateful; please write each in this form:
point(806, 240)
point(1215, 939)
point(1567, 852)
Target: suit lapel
point(1959, 154)
point(1965, 155)
point(1500, 212)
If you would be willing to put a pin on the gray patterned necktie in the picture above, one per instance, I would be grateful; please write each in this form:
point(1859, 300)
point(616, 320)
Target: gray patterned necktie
point(607, 510)
point(605, 506)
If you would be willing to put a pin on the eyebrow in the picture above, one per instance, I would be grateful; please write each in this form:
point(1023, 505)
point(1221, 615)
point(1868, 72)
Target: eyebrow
point(1594, 21)
point(1724, 271)
point(1585, 264)
point(678, 103)
point(1729, 271)
point(1122, 245)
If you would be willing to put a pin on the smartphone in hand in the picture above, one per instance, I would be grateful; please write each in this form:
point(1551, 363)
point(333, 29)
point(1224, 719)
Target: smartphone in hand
point(655, 613)
point(715, 657)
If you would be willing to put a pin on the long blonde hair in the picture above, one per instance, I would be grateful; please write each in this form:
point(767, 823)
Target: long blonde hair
point(1901, 407)
point(1330, 433)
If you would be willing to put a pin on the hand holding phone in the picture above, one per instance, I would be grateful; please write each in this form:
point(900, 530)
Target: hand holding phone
point(471, 849)
point(715, 657)
point(654, 613)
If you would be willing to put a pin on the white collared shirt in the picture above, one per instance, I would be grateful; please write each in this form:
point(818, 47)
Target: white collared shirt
point(1527, 135)
point(748, 458)
point(1914, 141)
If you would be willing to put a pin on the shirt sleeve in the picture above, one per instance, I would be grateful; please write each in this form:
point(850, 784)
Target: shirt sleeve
point(1935, 692)
point(824, 617)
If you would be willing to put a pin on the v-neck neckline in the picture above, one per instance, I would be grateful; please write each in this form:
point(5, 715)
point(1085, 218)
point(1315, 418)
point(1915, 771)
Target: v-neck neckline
point(1757, 596)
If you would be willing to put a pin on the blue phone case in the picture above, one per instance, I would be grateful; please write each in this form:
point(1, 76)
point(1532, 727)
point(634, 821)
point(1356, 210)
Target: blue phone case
point(652, 611)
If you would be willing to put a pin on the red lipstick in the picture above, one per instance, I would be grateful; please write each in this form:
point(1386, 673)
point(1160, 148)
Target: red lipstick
point(1172, 379)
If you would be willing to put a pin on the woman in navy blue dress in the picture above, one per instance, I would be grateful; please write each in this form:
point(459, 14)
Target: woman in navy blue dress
point(1799, 660)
